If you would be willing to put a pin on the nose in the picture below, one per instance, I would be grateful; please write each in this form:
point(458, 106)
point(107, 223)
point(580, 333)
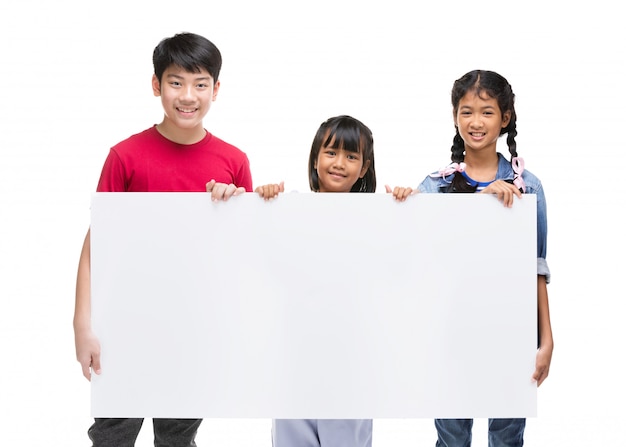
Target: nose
point(186, 93)
point(477, 121)
point(340, 160)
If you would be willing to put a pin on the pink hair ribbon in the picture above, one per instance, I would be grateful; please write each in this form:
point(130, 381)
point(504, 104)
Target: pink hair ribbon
point(518, 167)
point(449, 170)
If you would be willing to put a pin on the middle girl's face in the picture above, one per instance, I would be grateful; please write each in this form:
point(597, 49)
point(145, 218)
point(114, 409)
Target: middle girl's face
point(338, 170)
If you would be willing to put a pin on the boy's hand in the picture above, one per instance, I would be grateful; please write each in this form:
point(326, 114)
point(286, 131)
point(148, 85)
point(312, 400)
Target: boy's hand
point(400, 193)
point(88, 352)
point(505, 192)
point(270, 191)
point(222, 191)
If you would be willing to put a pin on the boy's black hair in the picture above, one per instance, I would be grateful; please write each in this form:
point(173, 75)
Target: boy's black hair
point(348, 134)
point(490, 83)
point(189, 51)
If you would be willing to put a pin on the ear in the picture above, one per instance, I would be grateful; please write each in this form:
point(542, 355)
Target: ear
point(506, 118)
point(364, 169)
point(216, 88)
point(156, 86)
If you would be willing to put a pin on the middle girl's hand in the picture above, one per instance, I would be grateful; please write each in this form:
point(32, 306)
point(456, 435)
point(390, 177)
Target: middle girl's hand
point(400, 193)
point(505, 192)
point(271, 190)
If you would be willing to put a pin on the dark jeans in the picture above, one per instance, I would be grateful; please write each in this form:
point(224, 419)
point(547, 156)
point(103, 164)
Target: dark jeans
point(123, 432)
point(458, 432)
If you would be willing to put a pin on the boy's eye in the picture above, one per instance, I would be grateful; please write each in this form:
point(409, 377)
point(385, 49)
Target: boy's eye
point(203, 85)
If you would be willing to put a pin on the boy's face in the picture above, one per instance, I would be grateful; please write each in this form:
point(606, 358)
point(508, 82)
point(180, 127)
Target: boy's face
point(186, 97)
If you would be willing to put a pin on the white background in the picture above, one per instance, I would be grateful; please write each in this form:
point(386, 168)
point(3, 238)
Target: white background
point(75, 79)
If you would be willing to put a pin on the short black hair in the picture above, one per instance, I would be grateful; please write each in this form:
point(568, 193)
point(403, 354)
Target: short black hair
point(189, 51)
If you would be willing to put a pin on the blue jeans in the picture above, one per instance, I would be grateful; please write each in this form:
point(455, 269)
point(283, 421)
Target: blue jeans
point(458, 432)
point(114, 432)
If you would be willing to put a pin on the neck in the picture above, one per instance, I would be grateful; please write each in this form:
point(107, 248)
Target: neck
point(181, 136)
point(481, 167)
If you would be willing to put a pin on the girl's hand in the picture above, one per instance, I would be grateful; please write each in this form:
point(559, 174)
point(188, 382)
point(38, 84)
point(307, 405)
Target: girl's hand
point(222, 191)
point(270, 191)
point(87, 352)
point(505, 192)
point(542, 364)
point(400, 193)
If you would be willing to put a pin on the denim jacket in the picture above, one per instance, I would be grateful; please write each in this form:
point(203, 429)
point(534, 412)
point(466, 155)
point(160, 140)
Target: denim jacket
point(533, 186)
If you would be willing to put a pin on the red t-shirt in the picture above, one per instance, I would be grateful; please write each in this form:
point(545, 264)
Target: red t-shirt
point(149, 162)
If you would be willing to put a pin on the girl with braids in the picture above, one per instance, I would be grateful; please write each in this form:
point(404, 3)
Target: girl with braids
point(341, 160)
point(483, 110)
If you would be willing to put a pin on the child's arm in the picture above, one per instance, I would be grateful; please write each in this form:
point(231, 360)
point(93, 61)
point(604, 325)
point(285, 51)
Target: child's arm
point(222, 191)
point(271, 190)
point(87, 344)
point(546, 343)
point(401, 193)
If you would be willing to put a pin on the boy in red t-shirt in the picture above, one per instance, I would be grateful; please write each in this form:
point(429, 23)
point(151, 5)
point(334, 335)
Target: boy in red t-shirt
point(176, 155)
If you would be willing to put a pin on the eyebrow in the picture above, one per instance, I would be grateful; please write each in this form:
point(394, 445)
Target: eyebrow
point(359, 151)
point(202, 78)
point(481, 107)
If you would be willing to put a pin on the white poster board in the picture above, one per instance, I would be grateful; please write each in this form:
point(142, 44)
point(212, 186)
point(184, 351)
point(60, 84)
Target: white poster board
point(314, 306)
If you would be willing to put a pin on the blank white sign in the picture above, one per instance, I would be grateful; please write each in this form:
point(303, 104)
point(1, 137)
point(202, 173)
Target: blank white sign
point(314, 306)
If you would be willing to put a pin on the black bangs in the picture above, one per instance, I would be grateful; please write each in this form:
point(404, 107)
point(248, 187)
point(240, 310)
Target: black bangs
point(342, 137)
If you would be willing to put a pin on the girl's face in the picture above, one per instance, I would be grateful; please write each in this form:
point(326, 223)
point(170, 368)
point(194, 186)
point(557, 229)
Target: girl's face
point(338, 170)
point(479, 121)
